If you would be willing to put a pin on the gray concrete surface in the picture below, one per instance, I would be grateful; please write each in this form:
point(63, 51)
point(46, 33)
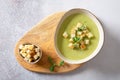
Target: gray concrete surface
point(18, 16)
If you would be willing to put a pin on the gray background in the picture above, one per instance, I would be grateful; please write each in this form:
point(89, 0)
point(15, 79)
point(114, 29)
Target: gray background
point(18, 16)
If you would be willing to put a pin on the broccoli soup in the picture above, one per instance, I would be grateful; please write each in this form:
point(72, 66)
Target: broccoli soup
point(77, 37)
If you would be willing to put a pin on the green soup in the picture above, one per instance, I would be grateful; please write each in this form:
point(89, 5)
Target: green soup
point(67, 25)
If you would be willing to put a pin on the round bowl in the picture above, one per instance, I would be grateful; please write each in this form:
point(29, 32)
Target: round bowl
point(100, 30)
point(39, 53)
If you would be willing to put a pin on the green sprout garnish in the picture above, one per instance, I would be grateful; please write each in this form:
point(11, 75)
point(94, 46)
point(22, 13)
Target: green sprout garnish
point(61, 63)
point(76, 39)
point(53, 64)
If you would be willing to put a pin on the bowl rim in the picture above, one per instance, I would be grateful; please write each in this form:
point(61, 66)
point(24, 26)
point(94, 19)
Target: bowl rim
point(100, 30)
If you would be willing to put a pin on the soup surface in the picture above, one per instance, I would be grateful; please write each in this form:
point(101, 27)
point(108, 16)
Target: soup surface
point(67, 25)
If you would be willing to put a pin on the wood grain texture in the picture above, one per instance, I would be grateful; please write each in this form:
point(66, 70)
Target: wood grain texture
point(42, 35)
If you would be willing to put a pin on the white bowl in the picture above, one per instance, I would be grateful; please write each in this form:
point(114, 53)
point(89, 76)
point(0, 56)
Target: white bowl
point(101, 38)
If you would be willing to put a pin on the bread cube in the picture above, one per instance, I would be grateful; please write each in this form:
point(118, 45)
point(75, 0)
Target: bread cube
point(26, 46)
point(23, 50)
point(76, 28)
point(79, 33)
point(89, 35)
point(78, 25)
point(26, 59)
point(24, 54)
point(30, 60)
point(85, 31)
point(82, 46)
point(39, 54)
point(28, 51)
point(82, 36)
point(36, 49)
point(31, 47)
point(21, 47)
point(73, 31)
point(65, 35)
point(28, 56)
point(71, 45)
point(36, 56)
point(70, 40)
point(72, 35)
point(87, 41)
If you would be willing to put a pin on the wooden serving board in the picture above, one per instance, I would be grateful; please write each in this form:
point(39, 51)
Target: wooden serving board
point(42, 35)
